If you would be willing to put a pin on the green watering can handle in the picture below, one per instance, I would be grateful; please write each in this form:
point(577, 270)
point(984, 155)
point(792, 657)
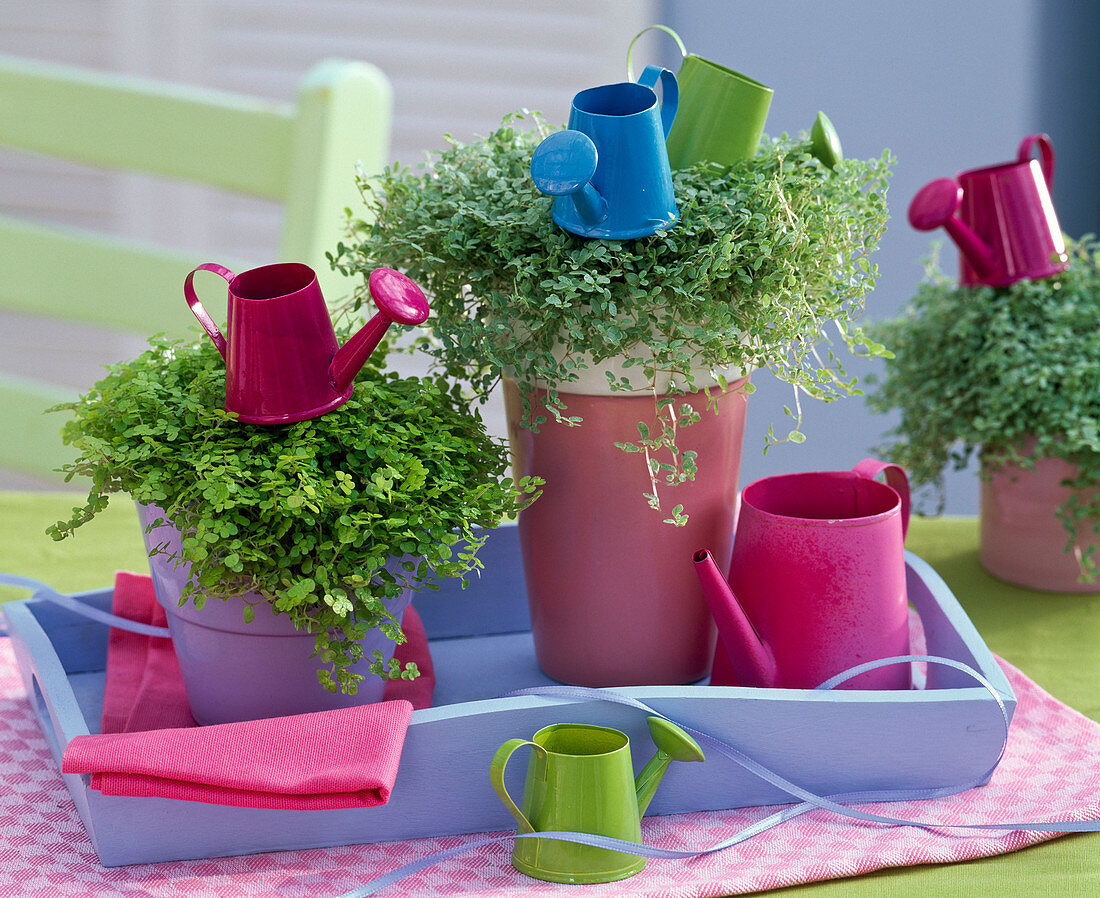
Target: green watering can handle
point(496, 777)
point(630, 49)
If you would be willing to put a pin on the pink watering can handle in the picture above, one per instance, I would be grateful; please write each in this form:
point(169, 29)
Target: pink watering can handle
point(1046, 155)
point(895, 478)
point(193, 303)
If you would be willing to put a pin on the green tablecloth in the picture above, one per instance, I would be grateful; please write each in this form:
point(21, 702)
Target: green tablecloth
point(1053, 639)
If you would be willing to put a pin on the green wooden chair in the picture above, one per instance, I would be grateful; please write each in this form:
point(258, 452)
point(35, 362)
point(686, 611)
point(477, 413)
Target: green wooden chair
point(302, 155)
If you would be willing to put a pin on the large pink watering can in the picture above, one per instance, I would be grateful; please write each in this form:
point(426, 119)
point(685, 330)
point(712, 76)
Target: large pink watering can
point(283, 362)
point(1006, 228)
point(816, 582)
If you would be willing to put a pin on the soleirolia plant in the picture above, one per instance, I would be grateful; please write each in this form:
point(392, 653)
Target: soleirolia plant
point(768, 267)
point(979, 370)
point(305, 514)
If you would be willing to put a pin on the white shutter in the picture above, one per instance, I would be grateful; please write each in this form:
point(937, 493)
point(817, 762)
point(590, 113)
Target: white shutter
point(457, 67)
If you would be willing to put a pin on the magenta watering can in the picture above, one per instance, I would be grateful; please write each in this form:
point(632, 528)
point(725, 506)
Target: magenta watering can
point(1006, 228)
point(816, 582)
point(282, 360)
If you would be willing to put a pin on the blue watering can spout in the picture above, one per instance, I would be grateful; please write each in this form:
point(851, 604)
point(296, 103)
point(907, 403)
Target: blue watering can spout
point(563, 165)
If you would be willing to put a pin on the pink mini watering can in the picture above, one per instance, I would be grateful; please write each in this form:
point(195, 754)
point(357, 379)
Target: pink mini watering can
point(816, 582)
point(1006, 228)
point(283, 363)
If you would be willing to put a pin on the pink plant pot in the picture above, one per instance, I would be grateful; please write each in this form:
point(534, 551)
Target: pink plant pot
point(612, 589)
point(234, 670)
point(1022, 540)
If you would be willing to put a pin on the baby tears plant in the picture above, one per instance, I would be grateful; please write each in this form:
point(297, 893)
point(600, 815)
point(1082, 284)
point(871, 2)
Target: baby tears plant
point(768, 267)
point(977, 370)
point(305, 514)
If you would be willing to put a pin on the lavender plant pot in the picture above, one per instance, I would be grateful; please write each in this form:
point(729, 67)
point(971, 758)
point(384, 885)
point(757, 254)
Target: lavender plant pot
point(234, 670)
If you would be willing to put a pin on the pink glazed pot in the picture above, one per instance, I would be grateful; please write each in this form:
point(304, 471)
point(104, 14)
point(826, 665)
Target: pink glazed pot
point(816, 582)
point(236, 671)
point(1022, 540)
point(612, 601)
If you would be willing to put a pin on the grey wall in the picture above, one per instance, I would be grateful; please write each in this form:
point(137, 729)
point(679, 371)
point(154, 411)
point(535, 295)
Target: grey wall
point(1068, 106)
point(947, 86)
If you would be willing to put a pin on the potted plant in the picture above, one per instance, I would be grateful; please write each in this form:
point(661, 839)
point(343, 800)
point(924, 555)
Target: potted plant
point(319, 527)
point(649, 342)
point(1012, 375)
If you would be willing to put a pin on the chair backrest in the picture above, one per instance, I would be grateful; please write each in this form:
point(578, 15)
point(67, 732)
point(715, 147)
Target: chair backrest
point(302, 155)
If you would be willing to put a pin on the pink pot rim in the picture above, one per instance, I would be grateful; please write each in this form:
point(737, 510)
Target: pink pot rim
point(791, 520)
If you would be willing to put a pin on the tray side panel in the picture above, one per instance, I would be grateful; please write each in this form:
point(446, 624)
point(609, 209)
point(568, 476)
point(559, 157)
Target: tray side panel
point(826, 748)
point(51, 699)
point(826, 742)
point(951, 634)
point(495, 600)
point(80, 644)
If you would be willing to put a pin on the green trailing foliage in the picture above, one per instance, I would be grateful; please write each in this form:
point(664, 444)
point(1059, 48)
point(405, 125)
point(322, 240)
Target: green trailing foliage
point(978, 370)
point(768, 267)
point(306, 514)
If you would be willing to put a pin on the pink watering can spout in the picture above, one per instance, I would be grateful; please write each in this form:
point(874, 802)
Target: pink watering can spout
point(935, 206)
point(282, 359)
point(399, 301)
point(750, 658)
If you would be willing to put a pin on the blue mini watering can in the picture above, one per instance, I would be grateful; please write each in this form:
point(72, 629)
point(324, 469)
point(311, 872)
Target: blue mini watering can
point(609, 172)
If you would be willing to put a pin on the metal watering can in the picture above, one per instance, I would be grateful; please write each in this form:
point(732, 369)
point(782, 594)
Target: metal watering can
point(816, 583)
point(580, 779)
point(609, 172)
point(1006, 228)
point(283, 363)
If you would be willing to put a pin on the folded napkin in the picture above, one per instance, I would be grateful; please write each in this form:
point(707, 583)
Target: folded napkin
point(149, 745)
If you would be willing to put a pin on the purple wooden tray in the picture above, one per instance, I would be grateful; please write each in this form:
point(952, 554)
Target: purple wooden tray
point(947, 733)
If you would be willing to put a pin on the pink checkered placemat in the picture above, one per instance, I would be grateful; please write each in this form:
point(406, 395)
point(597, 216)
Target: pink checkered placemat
point(1051, 771)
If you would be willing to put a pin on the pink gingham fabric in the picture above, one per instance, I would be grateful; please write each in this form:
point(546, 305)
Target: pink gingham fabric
point(1051, 771)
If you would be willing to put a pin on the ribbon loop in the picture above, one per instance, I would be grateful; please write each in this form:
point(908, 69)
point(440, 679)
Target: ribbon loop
point(48, 593)
point(838, 803)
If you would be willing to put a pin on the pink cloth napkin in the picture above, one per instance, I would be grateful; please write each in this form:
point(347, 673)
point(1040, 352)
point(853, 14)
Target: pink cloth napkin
point(150, 746)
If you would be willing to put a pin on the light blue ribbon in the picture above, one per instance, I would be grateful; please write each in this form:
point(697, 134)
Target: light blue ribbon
point(42, 591)
point(836, 803)
point(808, 800)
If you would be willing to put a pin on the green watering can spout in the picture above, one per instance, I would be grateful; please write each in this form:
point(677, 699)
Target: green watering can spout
point(673, 744)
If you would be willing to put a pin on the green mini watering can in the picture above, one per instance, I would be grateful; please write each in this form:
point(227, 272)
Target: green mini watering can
point(580, 779)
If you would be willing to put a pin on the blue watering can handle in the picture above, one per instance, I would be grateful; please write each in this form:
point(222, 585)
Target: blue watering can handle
point(670, 92)
point(42, 591)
